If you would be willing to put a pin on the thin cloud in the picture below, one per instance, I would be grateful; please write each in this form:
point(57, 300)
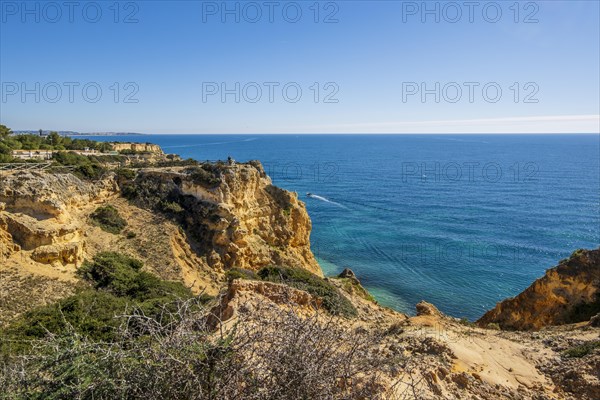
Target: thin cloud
point(537, 124)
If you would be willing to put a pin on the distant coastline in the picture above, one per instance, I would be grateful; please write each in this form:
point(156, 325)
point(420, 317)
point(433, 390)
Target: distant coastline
point(72, 133)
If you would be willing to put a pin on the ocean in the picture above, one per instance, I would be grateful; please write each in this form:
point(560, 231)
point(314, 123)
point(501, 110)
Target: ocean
point(461, 221)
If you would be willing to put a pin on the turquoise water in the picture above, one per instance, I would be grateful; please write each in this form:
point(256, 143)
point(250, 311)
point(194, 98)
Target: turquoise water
point(462, 221)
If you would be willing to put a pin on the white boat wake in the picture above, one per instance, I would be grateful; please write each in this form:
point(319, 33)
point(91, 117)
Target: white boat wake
point(314, 196)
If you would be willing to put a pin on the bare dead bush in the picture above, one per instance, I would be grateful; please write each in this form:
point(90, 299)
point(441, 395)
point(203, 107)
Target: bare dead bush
point(270, 355)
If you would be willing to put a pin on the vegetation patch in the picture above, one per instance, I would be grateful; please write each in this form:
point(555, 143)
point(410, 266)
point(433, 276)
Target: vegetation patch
point(118, 285)
point(466, 322)
point(183, 360)
point(240, 273)
point(171, 207)
point(333, 300)
point(109, 219)
point(52, 141)
point(584, 311)
point(207, 175)
point(577, 253)
point(122, 276)
point(351, 286)
point(282, 197)
point(125, 174)
point(582, 349)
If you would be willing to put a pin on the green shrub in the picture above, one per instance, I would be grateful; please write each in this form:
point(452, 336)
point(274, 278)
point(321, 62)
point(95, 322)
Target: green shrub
point(126, 174)
point(297, 358)
point(577, 253)
point(333, 300)
point(352, 286)
point(582, 350)
point(493, 325)
point(207, 175)
point(122, 276)
point(239, 273)
point(5, 149)
point(90, 312)
point(108, 218)
point(171, 207)
point(84, 167)
point(109, 267)
point(118, 285)
point(7, 158)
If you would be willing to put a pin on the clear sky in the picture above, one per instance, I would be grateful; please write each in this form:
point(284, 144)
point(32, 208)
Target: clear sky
point(361, 66)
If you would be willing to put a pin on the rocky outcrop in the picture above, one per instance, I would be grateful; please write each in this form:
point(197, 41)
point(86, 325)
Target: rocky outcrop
point(236, 217)
point(30, 233)
point(44, 196)
point(39, 213)
point(248, 295)
point(347, 273)
point(568, 293)
point(66, 253)
point(424, 308)
point(191, 224)
point(138, 148)
point(7, 244)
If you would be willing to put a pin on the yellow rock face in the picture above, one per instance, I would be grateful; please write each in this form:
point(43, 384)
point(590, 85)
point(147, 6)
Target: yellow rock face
point(249, 223)
point(138, 147)
point(555, 299)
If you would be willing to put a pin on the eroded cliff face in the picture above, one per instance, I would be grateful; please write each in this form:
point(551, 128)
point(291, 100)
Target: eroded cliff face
point(185, 227)
point(233, 213)
point(39, 213)
point(568, 293)
point(138, 147)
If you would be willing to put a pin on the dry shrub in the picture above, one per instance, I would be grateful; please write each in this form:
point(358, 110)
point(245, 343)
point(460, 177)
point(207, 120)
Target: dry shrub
point(175, 356)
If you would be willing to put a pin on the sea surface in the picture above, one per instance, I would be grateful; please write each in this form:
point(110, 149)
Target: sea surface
point(461, 221)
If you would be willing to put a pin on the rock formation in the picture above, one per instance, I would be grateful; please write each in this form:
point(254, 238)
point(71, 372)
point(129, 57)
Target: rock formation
point(567, 293)
point(137, 147)
point(234, 214)
point(180, 227)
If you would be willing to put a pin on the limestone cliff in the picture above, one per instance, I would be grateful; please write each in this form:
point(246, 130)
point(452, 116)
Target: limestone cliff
point(234, 215)
point(38, 212)
point(567, 293)
point(184, 224)
point(137, 147)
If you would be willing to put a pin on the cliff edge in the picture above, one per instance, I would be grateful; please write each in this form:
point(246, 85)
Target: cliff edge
point(567, 293)
point(190, 224)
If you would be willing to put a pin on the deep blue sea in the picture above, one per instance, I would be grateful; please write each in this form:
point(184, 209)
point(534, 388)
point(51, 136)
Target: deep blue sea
point(461, 221)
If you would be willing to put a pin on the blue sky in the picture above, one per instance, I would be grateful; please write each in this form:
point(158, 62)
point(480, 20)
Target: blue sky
point(361, 66)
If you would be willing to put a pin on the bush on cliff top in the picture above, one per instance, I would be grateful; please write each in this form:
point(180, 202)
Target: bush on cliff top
point(207, 174)
point(84, 167)
point(118, 284)
point(333, 300)
point(281, 356)
point(240, 273)
point(582, 350)
point(109, 219)
point(122, 276)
